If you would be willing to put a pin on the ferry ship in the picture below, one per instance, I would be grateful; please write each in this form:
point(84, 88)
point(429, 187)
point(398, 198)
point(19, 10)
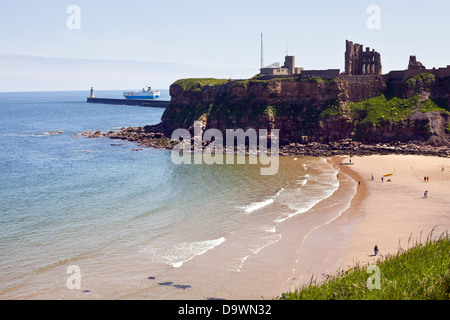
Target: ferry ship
point(146, 93)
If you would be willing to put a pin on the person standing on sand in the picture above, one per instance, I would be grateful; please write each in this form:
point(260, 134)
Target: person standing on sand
point(372, 176)
point(375, 250)
point(425, 194)
point(382, 179)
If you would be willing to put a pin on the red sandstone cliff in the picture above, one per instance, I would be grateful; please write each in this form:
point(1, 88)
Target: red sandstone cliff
point(302, 109)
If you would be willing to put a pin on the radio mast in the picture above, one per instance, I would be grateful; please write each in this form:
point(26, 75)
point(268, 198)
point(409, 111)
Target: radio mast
point(262, 52)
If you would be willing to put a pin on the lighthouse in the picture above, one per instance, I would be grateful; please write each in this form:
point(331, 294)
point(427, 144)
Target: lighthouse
point(92, 93)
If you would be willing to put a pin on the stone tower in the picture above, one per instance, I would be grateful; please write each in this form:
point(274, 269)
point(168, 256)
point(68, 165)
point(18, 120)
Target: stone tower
point(289, 63)
point(360, 62)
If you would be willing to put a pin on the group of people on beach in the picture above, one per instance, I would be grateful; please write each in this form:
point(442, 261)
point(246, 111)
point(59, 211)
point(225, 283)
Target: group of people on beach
point(382, 179)
point(425, 179)
point(425, 195)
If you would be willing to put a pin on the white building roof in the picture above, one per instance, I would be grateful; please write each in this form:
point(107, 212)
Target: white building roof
point(275, 65)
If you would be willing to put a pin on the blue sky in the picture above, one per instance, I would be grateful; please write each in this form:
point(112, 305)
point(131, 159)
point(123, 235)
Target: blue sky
point(129, 44)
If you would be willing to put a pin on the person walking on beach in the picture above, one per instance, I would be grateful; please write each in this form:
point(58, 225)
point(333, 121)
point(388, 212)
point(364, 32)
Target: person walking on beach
point(425, 194)
point(372, 176)
point(382, 179)
point(375, 250)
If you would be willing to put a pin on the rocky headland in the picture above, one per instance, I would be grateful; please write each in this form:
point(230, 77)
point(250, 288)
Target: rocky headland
point(346, 115)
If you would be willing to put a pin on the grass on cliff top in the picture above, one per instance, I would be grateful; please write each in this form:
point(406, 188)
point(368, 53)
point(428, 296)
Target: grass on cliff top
point(192, 84)
point(381, 110)
point(419, 273)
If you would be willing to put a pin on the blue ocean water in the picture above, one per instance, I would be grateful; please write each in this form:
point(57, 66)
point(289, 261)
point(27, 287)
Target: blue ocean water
point(65, 199)
point(55, 185)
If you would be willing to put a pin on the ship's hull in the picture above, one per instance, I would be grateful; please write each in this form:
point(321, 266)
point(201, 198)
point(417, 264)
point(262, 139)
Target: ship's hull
point(143, 97)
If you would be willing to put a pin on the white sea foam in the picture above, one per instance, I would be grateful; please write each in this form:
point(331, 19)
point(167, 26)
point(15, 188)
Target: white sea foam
point(273, 239)
point(257, 205)
point(180, 253)
point(260, 204)
point(324, 184)
point(269, 229)
point(279, 192)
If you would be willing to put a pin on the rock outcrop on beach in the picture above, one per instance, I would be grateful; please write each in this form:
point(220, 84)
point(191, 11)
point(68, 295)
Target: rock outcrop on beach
point(145, 138)
point(139, 135)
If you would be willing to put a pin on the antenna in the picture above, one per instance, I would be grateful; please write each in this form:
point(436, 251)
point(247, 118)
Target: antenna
point(287, 50)
point(262, 51)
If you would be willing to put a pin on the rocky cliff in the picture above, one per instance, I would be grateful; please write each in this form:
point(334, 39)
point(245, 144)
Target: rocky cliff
point(362, 108)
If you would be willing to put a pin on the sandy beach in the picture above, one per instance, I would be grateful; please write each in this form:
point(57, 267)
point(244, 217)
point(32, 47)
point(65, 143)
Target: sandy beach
point(344, 228)
point(391, 213)
point(394, 209)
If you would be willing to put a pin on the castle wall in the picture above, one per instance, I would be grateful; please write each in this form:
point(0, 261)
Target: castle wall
point(441, 72)
point(397, 77)
point(359, 78)
point(326, 74)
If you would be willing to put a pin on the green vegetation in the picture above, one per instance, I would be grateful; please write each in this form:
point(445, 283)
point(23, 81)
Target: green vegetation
point(332, 110)
point(380, 110)
point(429, 105)
point(421, 272)
point(270, 112)
point(315, 79)
point(425, 78)
point(194, 84)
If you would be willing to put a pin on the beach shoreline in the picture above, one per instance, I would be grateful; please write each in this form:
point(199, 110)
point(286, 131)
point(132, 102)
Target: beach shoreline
point(392, 214)
point(373, 217)
point(335, 234)
point(395, 212)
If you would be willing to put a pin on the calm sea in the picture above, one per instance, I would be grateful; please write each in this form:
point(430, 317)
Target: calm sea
point(135, 224)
